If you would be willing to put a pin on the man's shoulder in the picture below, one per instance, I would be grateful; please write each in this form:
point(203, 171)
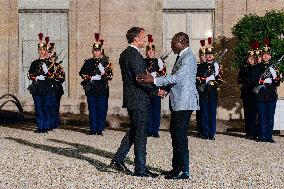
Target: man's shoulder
point(88, 60)
point(129, 52)
point(188, 55)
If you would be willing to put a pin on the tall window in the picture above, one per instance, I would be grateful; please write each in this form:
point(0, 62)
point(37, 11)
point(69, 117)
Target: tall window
point(197, 24)
point(52, 23)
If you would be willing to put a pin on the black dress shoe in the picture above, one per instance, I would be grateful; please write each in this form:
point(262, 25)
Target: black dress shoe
point(204, 137)
point(212, 138)
point(156, 135)
point(147, 173)
point(260, 140)
point(152, 174)
point(92, 133)
point(271, 141)
point(120, 167)
point(168, 172)
point(41, 131)
point(99, 133)
point(178, 175)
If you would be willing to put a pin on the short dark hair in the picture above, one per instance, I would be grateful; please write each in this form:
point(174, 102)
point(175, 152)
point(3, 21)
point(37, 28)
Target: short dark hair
point(132, 33)
point(182, 37)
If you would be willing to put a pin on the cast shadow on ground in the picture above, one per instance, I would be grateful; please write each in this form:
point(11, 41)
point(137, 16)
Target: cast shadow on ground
point(78, 152)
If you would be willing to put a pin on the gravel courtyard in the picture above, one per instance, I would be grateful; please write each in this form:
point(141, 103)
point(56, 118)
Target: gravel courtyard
point(69, 158)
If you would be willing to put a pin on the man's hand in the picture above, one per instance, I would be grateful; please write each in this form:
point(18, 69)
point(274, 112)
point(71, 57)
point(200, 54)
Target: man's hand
point(40, 77)
point(210, 78)
point(268, 81)
point(273, 72)
point(145, 78)
point(101, 68)
point(160, 64)
point(162, 93)
point(44, 68)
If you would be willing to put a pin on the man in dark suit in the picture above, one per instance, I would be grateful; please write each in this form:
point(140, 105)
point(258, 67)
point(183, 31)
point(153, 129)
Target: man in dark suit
point(136, 100)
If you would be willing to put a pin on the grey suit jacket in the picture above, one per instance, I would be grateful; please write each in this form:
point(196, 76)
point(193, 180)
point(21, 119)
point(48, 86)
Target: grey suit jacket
point(183, 93)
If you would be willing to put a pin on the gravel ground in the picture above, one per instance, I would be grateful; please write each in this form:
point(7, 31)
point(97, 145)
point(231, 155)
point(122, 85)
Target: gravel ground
point(69, 159)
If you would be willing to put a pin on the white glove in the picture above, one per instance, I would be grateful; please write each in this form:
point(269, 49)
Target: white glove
point(101, 68)
point(160, 64)
point(273, 72)
point(216, 68)
point(96, 77)
point(210, 78)
point(268, 80)
point(40, 77)
point(154, 74)
point(44, 68)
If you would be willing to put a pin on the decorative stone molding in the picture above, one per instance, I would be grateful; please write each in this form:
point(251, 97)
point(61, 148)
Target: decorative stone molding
point(188, 4)
point(43, 4)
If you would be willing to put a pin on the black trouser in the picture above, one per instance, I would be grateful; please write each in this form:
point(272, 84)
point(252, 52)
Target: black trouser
point(250, 113)
point(136, 135)
point(179, 128)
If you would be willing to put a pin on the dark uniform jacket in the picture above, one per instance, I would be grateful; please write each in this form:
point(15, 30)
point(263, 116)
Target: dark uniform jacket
point(153, 66)
point(209, 90)
point(269, 91)
point(40, 87)
point(95, 87)
point(135, 94)
point(246, 75)
point(58, 78)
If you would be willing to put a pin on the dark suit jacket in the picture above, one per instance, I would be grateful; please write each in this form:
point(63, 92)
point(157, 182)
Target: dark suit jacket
point(135, 95)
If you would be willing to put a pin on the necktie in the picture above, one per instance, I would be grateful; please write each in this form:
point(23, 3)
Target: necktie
point(177, 59)
point(175, 64)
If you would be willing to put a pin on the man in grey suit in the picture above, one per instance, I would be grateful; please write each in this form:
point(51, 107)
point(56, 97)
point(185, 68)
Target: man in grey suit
point(183, 101)
point(136, 100)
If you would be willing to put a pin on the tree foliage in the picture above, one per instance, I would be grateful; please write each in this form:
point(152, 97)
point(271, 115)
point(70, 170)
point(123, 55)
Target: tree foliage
point(255, 28)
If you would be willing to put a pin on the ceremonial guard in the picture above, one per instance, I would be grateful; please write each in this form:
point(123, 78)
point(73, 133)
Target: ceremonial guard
point(202, 60)
point(156, 68)
point(208, 79)
point(247, 95)
point(265, 88)
point(95, 73)
point(41, 88)
point(58, 78)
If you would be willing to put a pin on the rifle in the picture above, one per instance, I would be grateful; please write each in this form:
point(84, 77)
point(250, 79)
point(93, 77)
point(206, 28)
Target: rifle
point(62, 59)
point(220, 57)
point(57, 56)
point(109, 52)
point(267, 74)
point(165, 55)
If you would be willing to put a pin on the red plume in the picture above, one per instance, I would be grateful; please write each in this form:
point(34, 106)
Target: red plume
point(40, 36)
point(252, 45)
point(46, 40)
point(202, 42)
point(150, 38)
point(97, 36)
point(101, 41)
point(266, 42)
point(209, 40)
point(256, 45)
point(51, 45)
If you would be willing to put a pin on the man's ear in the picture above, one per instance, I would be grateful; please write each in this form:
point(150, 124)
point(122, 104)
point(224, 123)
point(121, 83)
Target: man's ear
point(135, 39)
